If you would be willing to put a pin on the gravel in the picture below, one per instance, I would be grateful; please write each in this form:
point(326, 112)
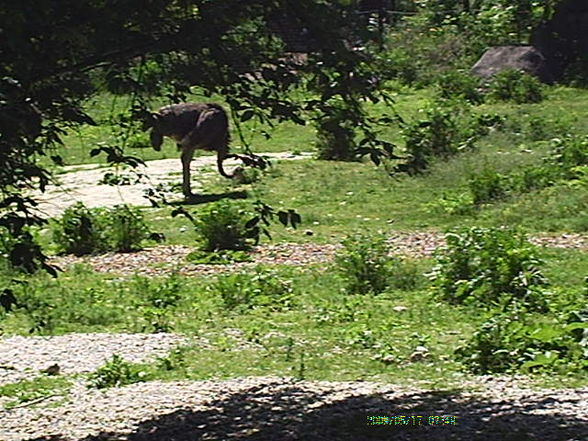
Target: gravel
point(25, 357)
point(160, 260)
point(270, 408)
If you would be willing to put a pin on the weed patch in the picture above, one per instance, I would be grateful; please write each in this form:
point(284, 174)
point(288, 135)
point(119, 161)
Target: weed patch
point(486, 266)
point(116, 372)
point(82, 230)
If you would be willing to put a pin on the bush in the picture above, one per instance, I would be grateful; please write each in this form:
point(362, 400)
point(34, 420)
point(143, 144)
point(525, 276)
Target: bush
point(260, 289)
point(515, 339)
point(115, 373)
point(126, 228)
point(488, 185)
point(417, 55)
point(568, 153)
point(336, 133)
point(222, 226)
point(576, 74)
point(460, 85)
point(80, 231)
point(405, 275)
point(443, 132)
point(364, 264)
point(568, 160)
point(486, 266)
point(515, 85)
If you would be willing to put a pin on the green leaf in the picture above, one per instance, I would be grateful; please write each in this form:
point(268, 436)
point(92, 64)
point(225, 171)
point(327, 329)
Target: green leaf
point(576, 325)
point(546, 333)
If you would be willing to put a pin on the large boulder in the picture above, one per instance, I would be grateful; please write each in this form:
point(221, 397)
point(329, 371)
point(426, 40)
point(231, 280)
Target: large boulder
point(564, 37)
point(526, 58)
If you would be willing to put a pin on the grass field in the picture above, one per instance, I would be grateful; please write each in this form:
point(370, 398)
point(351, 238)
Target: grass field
point(310, 326)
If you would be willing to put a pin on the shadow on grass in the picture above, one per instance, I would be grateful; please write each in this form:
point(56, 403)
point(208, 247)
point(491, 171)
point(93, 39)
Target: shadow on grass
point(281, 412)
point(197, 199)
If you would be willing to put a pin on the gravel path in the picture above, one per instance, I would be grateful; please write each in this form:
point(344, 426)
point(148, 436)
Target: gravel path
point(80, 183)
point(159, 261)
point(23, 357)
point(282, 409)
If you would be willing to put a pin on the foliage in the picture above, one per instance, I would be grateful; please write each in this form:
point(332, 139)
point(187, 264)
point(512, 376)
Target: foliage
point(158, 297)
point(460, 85)
point(515, 339)
point(486, 266)
point(489, 22)
point(487, 186)
point(336, 133)
point(575, 73)
point(568, 153)
point(567, 160)
point(247, 291)
point(222, 226)
point(443, 131)
point(230, 226)
point(81, 230)
point(220, 257)
point(406, 275)
point(416, 54)
point(364, 264)
point(125, 228)
point(164, 293)
point(452, 34)
point(115, 372)
point(515, 85)
point(30, 390)
point(342, 336)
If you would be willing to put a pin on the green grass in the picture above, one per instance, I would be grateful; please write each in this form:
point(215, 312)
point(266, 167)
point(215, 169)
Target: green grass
point(323, 333)
point(25, 391)
point(334, 335)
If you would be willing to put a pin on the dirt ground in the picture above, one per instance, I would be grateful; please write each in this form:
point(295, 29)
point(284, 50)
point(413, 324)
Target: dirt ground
point(80, 183)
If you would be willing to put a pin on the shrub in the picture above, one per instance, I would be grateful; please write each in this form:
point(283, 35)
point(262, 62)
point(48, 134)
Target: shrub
point(159, 293)
point(364, 264)
point(336, 133)
point(80, 231)
point(488, 266)
point(515, 339)
point(417, 55)
point(443, 132)
point(459, 203)
point(569, 152)
point(576, 74)
point(405, 275)
point(115, 372)
point(126, 228)
point(260, 289)
point(534, 178)
point(461, 85)
point(487, 186)
point(515, 85)
point(568, 160)
point(222, 225)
